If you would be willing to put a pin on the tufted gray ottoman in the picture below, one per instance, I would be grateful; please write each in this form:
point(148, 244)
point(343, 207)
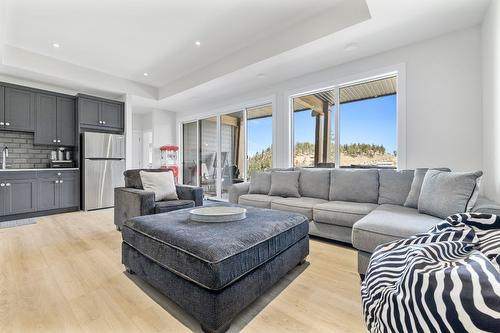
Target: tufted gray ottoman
point(214, 270)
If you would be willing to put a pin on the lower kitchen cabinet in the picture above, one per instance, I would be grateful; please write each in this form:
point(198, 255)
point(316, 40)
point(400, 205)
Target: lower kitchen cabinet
point(58, 190)
point(18, 195)
point(31, 192)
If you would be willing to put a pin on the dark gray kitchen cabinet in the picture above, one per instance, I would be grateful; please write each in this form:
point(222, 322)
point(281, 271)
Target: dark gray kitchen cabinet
point(46, 119)
point(19, 110)
point(112, 115)
point(66, 121)
point(19, 195)
point(69, 191)
point(2, 107)
point(58, 190)
point(101, 114)
point(55, 120)
point(48, 196)
point(89, 111)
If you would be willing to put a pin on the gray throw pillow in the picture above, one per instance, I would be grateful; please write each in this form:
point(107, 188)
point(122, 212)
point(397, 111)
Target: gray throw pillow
point(416, 186)
point(260, 183)
point(356, 185)
point(447, 193)
point(285, 183)
point(394, 186)
point(315, 183)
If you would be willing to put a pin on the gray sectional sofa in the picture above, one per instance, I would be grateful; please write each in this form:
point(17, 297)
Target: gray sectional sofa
point(362, 207)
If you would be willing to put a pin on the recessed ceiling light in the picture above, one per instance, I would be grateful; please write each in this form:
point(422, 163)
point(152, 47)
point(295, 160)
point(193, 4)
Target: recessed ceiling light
point(197, 43)
point(351, 46)
point(56, 45)
point(145, 74)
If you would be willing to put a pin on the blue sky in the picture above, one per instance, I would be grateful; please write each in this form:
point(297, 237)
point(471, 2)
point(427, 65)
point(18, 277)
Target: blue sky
point(370, 121)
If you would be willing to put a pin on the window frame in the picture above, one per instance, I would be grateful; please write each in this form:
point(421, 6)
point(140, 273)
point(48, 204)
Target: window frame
point(398, 72)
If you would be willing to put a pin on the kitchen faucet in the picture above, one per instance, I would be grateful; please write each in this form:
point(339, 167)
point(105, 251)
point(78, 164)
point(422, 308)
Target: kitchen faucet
point(5, 154)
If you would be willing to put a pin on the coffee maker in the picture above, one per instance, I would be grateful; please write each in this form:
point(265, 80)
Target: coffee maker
point(61, 158)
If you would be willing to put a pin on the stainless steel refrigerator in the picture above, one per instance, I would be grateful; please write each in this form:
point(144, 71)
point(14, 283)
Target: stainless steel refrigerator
point(103, 166)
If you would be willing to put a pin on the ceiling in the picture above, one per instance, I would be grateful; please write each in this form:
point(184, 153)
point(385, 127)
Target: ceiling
point(127, 38)
point(107, 45)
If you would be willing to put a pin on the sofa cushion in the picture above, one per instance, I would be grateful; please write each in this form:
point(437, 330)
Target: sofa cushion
point(447, 193)
point(387, 223)
point(342, 213)
point(354, 185)
point(133, 177)
point(416, 186)
point(394, 186)
point(260, 183)
point(315, 183)
point(285, 183)
point(161, 183)
point(257, 200)
point(171, 205)
point(303, 205)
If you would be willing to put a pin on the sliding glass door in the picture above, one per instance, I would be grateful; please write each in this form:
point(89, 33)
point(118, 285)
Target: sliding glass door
point(190, 153)
point(223, 150)
point(208, 155)
point(232, 134)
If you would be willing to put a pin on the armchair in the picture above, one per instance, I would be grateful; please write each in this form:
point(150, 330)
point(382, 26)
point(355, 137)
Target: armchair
point(132, 200)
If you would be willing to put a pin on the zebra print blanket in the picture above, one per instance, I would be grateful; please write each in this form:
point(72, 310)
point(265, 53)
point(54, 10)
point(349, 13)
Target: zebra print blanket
point(445, 280)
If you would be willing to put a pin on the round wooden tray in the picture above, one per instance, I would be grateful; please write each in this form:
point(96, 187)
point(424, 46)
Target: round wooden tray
point(218, 214)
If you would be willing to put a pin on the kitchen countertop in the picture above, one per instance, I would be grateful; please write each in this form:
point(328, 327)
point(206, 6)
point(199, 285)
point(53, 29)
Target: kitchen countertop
point(41, 169)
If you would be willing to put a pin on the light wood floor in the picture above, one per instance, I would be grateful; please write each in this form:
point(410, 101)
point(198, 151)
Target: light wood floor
point(64, 274)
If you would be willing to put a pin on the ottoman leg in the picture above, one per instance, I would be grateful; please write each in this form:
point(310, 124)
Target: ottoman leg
point(221, 329)
point(130, 271)
point(302, 262)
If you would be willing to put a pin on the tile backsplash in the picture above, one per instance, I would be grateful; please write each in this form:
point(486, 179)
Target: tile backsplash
point(22, 153)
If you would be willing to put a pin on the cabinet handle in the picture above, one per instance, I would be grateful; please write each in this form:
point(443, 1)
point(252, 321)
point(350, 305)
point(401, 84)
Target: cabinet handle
point(2, 123)
point(54, 140)
point(2, 184)
point(8, 184)
point(57, 182)
point(104, 123)
point(61, 181)
point(100, 121)
point(7, 124)
point(58, 173)
point(58, 141)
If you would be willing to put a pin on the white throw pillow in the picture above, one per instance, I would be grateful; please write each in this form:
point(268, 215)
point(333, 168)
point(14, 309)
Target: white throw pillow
point(162, 183)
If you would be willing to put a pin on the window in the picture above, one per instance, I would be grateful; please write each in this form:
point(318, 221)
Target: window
point(260, 138)
point(239, 142)
point(367, 126)
point(313, 119)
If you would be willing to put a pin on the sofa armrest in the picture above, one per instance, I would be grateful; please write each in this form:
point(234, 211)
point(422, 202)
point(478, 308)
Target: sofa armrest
point(132, 202)
point(486, 206)
point(237, 190)
point(187, 192)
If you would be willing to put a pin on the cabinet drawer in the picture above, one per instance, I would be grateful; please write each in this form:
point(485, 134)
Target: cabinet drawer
point(13, 175)
point(49, 174)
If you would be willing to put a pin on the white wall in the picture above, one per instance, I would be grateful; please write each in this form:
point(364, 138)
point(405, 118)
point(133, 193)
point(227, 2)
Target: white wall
point(164, 132)
point(491, 101)
point(443, 99)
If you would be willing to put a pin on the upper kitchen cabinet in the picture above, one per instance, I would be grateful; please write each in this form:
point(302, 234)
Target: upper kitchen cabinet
point(102, 114)
point(55, 120)
point(19, 110)
point(66, 121)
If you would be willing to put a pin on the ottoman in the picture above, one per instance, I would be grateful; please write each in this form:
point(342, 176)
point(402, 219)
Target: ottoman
point(214, 270)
